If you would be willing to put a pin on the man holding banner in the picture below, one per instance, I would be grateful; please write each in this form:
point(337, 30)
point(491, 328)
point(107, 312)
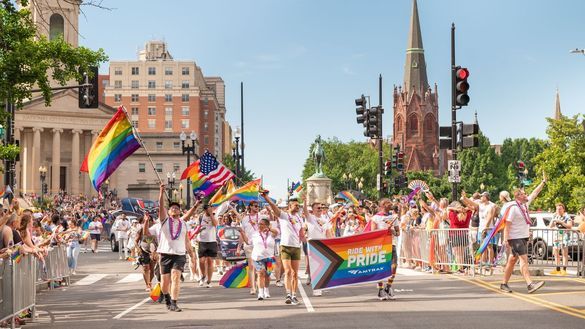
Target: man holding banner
point(385, 219)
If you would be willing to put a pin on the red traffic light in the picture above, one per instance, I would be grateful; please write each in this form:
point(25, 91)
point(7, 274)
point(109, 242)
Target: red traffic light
point(462, 73)
point(520, 164)
point(400, 155)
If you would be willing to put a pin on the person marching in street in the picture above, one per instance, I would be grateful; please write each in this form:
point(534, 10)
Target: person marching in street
point(315, 230)
point(207, 244)
point(563, 222)
point(173, 244)
point(249, 224)
point(95, 231)
point(486, 212)
point(292, 234)
point(516, 234)
point(121, 227)
point(386, 220)
point(274, 223)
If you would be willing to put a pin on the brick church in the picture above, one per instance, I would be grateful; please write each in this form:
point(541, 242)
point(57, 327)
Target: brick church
point(416, 108)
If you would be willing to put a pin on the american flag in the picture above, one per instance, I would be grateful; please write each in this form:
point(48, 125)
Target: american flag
point(207, 174)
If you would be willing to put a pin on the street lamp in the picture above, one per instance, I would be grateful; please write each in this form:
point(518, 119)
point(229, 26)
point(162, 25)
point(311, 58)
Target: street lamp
point(171, 177)
point(181, 193)
point(189, 150)
point(481, 187)
point(43, 172)
point(236, 152)
point(104, 189)
point(361, 186)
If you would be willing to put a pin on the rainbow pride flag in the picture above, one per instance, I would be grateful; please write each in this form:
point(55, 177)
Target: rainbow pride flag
point(355, 259)
point(246, 193)
point(236, 277)
point(114, 144)
point(294, 186)
point(500, 224)
point(207, 174)
point(16, 255)
point(349, 197)
point(222, 194)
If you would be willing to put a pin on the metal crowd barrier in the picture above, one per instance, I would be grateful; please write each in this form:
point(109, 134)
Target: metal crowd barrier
point(17, 282)
point(455, 248)
point(54, 267)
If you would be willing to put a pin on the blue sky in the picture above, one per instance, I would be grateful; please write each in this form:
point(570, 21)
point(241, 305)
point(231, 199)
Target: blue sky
point(303, 62)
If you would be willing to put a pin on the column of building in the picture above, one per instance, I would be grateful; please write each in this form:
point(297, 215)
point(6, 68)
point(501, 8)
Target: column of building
point(56, 156)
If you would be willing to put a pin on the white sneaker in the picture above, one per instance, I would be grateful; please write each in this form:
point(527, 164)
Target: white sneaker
point(73, 272)
point(201, 282)
point(266, 293)
point(317, 293)
point(390, 293)
point(261, 295)
point(208, 285)
point(279, 283)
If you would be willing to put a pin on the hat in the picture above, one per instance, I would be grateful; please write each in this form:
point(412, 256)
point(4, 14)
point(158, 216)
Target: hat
point(486, 194)
point(174, 203)
point(282, 205)
point(505, 195)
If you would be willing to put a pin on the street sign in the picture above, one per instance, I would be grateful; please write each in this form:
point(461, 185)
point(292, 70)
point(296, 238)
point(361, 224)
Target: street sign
point(454, 178)
point(378, 182)
point(454, 167)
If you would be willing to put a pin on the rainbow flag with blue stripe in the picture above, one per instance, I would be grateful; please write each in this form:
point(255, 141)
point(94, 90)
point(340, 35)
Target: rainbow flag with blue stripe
point(236, 277)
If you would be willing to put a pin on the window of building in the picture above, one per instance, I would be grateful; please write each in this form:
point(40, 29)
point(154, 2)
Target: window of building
point(168, 124)
point(134, 97)
point(184, 110)
point(152, 98)
point(135, 123)
point(205, 127)
point(118, 84)
point(117, 71)
point(151, 84)
point(134, 84)
point(117, 97)
point(168, 97)
point(159, 167)
point(176, 167)
point(185, 97)
point(135, 70)
point(413, 124)
point(168, 71)
point(206, 140)
point(185, 70)
point(134, 111)
point(185, 123)
point(142, 167)
point(151, 110)
point(168, 84)
point(56, 26)
point(176, 145)
point(185, 84)
point(205, 101)
point(159, 145)
point(151, 123)
point(205, 114)
point(152, 71)
point(168, 111)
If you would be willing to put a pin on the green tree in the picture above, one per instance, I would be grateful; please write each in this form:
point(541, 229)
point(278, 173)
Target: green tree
point(439, 186)
point(520, 149)
point(563, 161)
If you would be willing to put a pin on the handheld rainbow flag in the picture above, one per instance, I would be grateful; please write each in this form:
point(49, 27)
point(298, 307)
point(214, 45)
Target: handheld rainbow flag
point(16, 255)
point(298, 188)
point(349, 197)
point(114, 144)
point(246, 193)
point(236, 277)
point(294, 186)
point(222, 194)
point(500, 224)
point(207, 174)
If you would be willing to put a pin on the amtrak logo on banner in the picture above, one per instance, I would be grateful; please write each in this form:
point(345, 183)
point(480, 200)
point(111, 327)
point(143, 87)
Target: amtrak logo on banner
point(350, 260)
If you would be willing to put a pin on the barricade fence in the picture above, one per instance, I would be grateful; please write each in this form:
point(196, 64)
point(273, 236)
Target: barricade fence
point(54, 267)
point(454, 249)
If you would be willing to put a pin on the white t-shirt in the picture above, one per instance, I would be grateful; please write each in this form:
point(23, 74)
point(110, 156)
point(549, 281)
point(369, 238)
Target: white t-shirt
point(516, 220)
point(484, 210)
point(122, 226)
point(250, 226)
point(155, 229)
point(263, 245)
point(290, 228)
point(208, 234)
point(383, 222)
point(166, 244)
point(95, 227)
point(314, 228)
point(276, 224)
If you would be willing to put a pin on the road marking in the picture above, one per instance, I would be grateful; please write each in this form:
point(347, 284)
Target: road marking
point(90, 279)
point(133, 277)
point(306, 299)
point(119, 316)
point(561, 293)
point(527, 298)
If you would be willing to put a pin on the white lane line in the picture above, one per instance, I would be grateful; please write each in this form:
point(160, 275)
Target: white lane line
point(90, 279)
point(306, 299)
point(133, 277)
point(119, 316)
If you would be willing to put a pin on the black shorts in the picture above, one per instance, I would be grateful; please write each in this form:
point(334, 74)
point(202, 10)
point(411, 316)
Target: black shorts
point(170, 262)
point(207, 249)
point(145, 257)
point(95, 236)
point(519, 246)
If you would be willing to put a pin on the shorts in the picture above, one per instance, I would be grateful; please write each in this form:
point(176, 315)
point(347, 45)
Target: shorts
point(290, 253)
point(519, 246)
point(170, 262)
point(277, 247)
point(266, 264)
point(95, 236)
point(207, 249)
point(145, 257)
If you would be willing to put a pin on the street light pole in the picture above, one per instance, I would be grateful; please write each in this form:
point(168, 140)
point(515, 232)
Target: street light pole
point(188, 150)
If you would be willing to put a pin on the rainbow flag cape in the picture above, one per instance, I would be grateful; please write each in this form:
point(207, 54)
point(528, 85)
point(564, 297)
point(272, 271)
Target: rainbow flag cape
point(349, 197)
point(246, 193)
point(500, 224)
point(207, 174)
point(114, 144)
point(222, 194)
point(236, 277)
point(350, 260)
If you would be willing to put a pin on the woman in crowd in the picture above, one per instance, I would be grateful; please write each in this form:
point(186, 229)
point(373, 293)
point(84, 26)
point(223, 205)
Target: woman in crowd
point(73, 238)
point(459, 219)
point(95, 230)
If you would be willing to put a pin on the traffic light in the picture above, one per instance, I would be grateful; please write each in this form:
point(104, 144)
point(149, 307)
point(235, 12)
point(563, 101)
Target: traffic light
point(388, 168)
point(374, 118)
point(469, 135)
point(461, 86)
point(445, 138)
point(395, 156)
point(89, 95)
point(361, 109)
point(400, 161)
point(520, 168)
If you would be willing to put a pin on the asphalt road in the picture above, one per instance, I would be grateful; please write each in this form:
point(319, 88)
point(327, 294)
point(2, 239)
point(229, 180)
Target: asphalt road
point(108, 293)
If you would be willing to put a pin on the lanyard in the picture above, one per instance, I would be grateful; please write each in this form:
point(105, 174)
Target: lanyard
point(253, 223)
point(524, 213)
point(264, 239)
point(298, 233)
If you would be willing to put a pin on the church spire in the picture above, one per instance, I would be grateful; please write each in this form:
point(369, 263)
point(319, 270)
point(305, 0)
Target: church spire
point(558, 113)
point(415, 68)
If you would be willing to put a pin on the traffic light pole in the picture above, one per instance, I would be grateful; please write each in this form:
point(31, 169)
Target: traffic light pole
point(454, 195)
point(380, 146)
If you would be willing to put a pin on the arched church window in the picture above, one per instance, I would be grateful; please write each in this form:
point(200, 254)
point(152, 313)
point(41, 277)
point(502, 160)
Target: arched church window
point(429, 123)
point(413, 124)
point(56, 26)
point(398, 123)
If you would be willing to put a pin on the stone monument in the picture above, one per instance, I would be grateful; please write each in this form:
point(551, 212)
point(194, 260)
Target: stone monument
point(319, 185)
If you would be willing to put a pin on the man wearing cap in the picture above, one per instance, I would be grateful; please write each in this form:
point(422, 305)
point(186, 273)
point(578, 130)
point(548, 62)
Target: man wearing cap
point(250, 226)
point(486, 211)
point(207, 244)
point(121, 227)
point(173, 244)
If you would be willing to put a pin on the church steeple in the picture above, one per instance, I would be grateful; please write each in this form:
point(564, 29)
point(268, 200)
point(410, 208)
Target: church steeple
point(415, 68)
point(558, 113)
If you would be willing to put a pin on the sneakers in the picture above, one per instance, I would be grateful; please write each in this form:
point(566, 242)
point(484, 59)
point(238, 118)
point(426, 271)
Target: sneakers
point(252, 291)
point(261, 294)
point(173, 307)
point(288, 300)
point(266, 293)
point(382, 295)
point(201, 281)
point(389, 292)
point(208, 285)
point(504, 287)
point(534, 286)
point(317, 293)
point(279, 283)
point(555, 272)
point(308, 282)
point(295, 301)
